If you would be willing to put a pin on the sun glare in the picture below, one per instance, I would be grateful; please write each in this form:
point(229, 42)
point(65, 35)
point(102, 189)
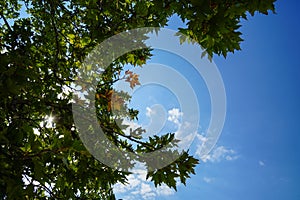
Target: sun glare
point(49, 120)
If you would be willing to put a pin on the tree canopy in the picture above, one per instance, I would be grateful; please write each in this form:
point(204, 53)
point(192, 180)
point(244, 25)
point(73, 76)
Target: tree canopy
point(43, 43)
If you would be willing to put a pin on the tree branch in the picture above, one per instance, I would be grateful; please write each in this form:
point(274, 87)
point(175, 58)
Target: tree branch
point(6, 22)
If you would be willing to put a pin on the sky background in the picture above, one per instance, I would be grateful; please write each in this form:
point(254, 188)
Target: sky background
point(257, 155)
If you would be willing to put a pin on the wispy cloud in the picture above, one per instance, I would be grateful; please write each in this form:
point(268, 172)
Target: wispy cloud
point(207, 179)
point(202, 139)
point(218, 154)
point(261, 163)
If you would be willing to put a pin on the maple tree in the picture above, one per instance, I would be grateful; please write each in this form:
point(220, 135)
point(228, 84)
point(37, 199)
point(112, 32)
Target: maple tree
point(40, 54)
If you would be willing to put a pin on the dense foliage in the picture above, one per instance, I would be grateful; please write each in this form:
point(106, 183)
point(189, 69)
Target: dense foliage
point(43, 43)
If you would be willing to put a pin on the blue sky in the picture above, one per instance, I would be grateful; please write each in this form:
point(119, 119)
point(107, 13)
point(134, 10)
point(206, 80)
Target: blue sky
point(257, 155)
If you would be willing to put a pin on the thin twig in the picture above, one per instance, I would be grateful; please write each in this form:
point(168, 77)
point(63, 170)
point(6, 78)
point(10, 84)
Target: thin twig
point(6, 22)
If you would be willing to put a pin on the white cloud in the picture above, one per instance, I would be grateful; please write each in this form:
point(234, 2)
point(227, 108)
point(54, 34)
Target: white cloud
point(185, 139)
point(164, 190)
point(174, 115)
point(139, 188)
point(133, 183)
point(261, 163)
point(186, 134)
point(201, 138)
point(146, 191)
point(229, 157)
point(218, 154)
point(207, 179)
point(149, 111)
